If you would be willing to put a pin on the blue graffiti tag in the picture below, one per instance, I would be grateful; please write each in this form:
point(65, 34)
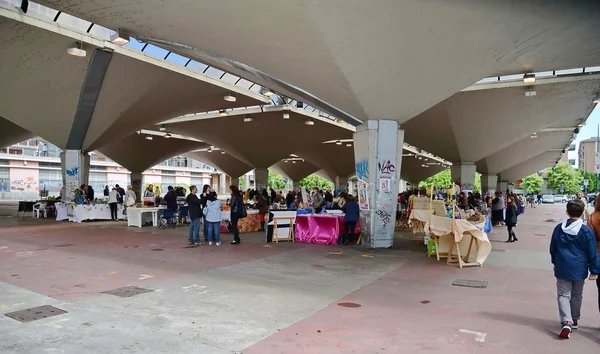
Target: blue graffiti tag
point(73, 172)
point(362, 170)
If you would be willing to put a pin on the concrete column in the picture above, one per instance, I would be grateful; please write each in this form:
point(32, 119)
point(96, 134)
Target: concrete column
point(502, 187)
point(488, 184)
point(261, 178)
point(511, 187)
point(137, 185)
point(296, 185)
point(378, 154)
point(75, 171)
point(222, 184)
point(247, 184)
point(464, 174)
point(341, 185)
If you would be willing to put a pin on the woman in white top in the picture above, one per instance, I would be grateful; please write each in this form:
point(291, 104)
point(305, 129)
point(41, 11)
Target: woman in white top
point(130, 197)
point(112, 202)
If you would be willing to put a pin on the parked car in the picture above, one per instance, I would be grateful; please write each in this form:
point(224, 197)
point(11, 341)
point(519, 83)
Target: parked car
point(591, 198)
point(547, 199)
point(560, 198)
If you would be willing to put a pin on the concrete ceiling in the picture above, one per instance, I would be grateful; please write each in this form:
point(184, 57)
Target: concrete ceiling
point(472, 125)
point(224, 162)
point(394, 60)
point(264, 141)
point(41, 85)
point(137, 154)
point(294, 171)
point(10, 133)
point(528, 167)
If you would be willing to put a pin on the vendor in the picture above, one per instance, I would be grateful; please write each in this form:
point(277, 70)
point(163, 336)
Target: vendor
point(149, 193)
point(498, 209)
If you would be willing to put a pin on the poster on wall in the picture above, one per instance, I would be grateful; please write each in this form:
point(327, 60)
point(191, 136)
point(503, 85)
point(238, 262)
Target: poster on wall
point(363, 195)
point(385, 185)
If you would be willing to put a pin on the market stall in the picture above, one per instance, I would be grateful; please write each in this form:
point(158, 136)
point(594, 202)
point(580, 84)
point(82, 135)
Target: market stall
point(321, 228)
point(140, 216)
point(251, 223)
point(285, 220)
point(82, 212)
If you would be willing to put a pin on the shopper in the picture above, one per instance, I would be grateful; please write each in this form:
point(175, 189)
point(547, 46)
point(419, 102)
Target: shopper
point(594, 223)
point(195, 213)
point(581, 197)
point(130, 197)
point(171, 199)
point(112, 203)
point(574, 253)
point(317, 201)
point(263, 209)
point(511, 218)
point(351, 216)
point(212, 218)
point(106, 191)
point(237, 212)
point(203, 200)
point(498, 209)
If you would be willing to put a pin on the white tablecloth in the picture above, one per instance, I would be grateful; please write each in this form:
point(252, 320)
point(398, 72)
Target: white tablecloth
point(82, 212)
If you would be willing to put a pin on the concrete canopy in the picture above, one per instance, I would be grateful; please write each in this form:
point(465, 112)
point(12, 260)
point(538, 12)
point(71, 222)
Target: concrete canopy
point(294, 171)
point(474, 124)
point(12, 133)
point(224, 162)
point(528, 167)
point(394, 60)
point(137, 154)
point(41, 85)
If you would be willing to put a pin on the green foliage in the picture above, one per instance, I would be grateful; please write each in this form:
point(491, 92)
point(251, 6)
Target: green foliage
point(563, 173)
point(591, 177)
point(276, 181)
point(533, 183)
point(444, 179)
point(315, 181)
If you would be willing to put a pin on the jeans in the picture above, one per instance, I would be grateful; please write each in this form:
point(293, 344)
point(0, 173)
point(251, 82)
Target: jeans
point(194, 231)
point(214, 230)
point(350, 227)
point(205, 228)
point(113, 210)
point(234, 227)
point(570, 296)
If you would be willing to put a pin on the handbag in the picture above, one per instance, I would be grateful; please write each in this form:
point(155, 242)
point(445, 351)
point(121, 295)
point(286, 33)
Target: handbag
point(243, 212)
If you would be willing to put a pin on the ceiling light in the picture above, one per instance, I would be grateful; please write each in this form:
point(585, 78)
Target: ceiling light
point(248, 119)
point(222, 152)
point(286, 115)
point(285, 161)
point(167, 136)
point(349, 145)
point(119, 37)
point(341, 121)
point(265, 91)
point(163, 128)
point(223, 113)
point(77, 51)
point(533, 136)
point(230, 98)
point(309, 122)
point(149, 137)
point(596, 99)
point(529, 78)
point(420, 158)
point(209, 150)
point(338, 143)
point(294, 161)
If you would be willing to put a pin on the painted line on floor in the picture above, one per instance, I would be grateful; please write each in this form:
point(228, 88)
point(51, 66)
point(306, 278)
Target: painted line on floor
point(479, 336)
point(145, 276)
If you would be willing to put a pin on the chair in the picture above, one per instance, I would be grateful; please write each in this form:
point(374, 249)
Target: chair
point(25, 207)
point(168, 219)
point(39, 209)
point(182, 217)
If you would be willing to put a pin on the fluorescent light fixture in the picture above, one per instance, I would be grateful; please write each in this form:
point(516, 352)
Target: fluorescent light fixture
point(209, 150)
point(596, 99)
point(309, 122)
point(338, 143)
point(222, 152)
point(265, 91)
point(248, 119)
point(349, 145)
point(162, 128)
point(341, 121)
point(223, 113)
point(77, 52)
point(581, 125)
point(119, 37)
point(167, 136)
point(286, 115)
point(529, 78)
point(294, 161)
point(149, 137)
point(230, 98)
point(285, 161)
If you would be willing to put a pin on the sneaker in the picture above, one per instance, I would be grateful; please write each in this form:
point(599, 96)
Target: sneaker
point(190, 243)
point(197, 243)
point(218, 243)
point(210, 243)
point(565, 332)
point(575, 325)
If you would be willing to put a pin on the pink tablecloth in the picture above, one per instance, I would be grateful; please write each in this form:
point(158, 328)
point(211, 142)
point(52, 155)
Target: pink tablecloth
point(321, 229)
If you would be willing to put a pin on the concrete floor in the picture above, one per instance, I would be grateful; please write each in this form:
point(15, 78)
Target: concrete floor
point(279, 298)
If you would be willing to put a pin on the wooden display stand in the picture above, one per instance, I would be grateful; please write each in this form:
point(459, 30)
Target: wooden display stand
point(458, 259)
point(290, 235)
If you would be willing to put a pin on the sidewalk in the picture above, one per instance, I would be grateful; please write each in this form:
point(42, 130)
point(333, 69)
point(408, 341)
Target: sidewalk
point(279, 298)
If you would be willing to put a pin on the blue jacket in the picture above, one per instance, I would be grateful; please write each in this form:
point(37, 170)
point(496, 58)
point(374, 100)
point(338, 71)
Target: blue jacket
point(212, 212)
point(574, 251)
point(352, 211)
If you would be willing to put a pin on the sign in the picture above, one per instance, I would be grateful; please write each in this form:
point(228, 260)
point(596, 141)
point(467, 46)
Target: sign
point(597, 167)
point(586, 182)
point(363, 195)
point(385, 185)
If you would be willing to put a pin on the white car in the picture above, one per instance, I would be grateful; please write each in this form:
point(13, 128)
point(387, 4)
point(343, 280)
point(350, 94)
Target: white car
point(547, 199)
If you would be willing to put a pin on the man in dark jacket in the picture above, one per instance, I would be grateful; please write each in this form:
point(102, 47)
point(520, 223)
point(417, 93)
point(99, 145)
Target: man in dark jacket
point(171, 199)
point(89, 193)
point(195, 212)
point(121, 193)
point(574, 252)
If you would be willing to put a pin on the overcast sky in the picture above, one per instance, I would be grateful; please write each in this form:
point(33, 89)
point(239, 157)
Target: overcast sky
point(589, 131)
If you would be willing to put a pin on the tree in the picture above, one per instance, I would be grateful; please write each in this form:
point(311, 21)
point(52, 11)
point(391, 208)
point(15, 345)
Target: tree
point(591, 177)
point(276, 181)
point(533, 183)
point(444, 179)
point(315, 181)
point(564, 174)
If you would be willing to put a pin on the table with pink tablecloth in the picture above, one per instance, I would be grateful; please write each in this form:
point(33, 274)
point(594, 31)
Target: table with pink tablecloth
point(321, 229)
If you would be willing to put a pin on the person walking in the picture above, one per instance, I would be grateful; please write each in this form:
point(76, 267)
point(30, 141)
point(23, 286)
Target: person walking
point(237, 212)
point(112, 203)
point(212, 218)
point(351, 216)
point(574, 253)
point(594, 223)
point(511, 218)
point(195, 213)
point(263, 209)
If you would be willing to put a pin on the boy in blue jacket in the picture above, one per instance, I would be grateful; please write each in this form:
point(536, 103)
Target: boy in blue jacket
point(574, 252)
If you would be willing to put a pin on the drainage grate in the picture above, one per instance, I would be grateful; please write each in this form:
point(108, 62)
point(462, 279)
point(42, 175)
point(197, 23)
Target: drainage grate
point(64, 245)
point(470, 283)
point(127, 291)
point(498, 249)
point(35, 313)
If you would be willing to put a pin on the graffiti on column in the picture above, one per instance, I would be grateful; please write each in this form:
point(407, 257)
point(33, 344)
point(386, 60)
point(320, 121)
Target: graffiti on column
point(386, 168)
point(72, 179)
point(362, 170)
point(384, 217)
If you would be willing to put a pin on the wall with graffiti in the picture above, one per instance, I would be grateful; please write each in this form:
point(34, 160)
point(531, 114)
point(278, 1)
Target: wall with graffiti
point(24, 180)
